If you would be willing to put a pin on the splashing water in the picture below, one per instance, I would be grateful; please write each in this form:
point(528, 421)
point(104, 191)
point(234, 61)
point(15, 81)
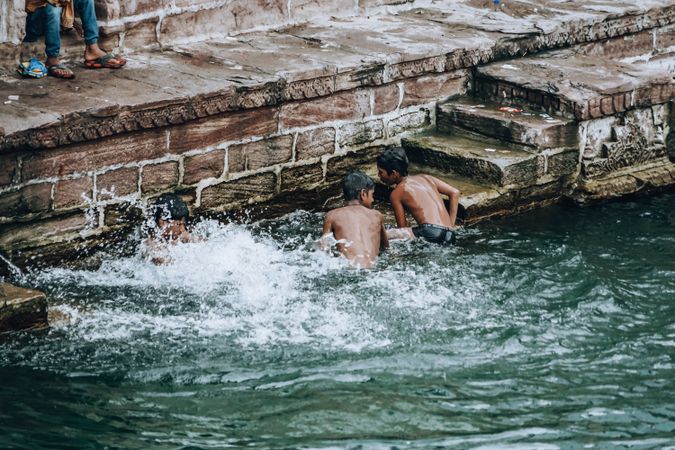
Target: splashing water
point(526, 335)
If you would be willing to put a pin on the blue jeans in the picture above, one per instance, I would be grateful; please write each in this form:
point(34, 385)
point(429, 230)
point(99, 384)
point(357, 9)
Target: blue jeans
point(47, 21)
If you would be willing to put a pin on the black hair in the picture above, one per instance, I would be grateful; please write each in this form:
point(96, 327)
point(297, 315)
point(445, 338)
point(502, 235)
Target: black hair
point(394, 159)
point(170, 207)
point(355, 182)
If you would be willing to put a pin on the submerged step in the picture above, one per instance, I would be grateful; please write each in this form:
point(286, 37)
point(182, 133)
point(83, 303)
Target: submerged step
point(490, 119)
point(494, 164)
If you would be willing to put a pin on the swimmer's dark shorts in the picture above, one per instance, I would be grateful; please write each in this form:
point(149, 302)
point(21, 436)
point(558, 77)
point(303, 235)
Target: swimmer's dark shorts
point(435, 234)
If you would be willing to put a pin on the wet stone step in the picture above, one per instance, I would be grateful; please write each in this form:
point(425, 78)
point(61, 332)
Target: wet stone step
point(517, 125)
point(494, 164)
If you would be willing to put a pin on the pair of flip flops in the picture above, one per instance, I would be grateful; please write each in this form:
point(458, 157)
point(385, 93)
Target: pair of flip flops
point(32, 69)
point(107, 61)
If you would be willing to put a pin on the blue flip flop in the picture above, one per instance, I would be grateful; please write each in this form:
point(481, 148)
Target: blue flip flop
point(32, 69)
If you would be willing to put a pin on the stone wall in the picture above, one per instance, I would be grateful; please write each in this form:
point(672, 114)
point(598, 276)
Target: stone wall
point(77, 192)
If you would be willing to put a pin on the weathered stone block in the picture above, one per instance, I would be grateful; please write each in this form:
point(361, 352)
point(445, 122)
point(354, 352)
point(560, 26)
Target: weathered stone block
point(36, 234)
point(339, 165)
point(304, 89)
point(301, 177)
point(217, 102)
point(141, 34)
point(433, 88)
point(562, 163)
point(386, 98)
point(256, 155)
point(305, 10)
point(199, 167)
point(361, 132)
point(250, 190)
point(125, 213)
point(21, 309)
point(235, 16)
point(315, 143)
point(367, 75)
point(159, 177)
point(117, 183)
point(664, 38)
point(407, 122)
point(228, 127)
point(130, 8)
point(268, 94)
point(9, 169)
point(73, 193)
point(409, 69)
point(670, 138)
point(95, 155)
point(33, 198)
point(352, 105)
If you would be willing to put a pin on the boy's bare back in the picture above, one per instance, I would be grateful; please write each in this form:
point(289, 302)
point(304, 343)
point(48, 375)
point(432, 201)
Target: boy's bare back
point(363, 230)
point(421, 196)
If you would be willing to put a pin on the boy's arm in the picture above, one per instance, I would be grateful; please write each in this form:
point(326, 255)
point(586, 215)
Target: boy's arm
point(384, 240)
point(327, 229)
point(453, 195)
point(399, 210)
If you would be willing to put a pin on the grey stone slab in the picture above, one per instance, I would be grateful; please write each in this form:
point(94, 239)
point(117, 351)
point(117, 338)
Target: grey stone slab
point(498, 165)
point(582, 80)
point(391, 39)
point(530, 128)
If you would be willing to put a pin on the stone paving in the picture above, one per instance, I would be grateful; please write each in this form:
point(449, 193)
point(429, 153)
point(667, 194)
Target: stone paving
point(183, 82)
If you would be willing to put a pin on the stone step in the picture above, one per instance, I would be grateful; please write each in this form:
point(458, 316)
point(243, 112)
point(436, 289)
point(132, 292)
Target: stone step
point(534, 129)
point(577, 86)
point(492, 164)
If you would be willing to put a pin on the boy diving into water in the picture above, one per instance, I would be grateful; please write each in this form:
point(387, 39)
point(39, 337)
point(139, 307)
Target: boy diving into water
point(421, 196)
point(358, 229)
point(171, 215)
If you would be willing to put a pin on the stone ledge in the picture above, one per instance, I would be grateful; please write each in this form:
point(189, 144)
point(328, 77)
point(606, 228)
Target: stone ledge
point(577, 86)
point(21, 309)
point(300, 62)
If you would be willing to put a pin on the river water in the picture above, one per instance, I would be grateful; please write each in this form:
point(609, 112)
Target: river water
point(552, 329)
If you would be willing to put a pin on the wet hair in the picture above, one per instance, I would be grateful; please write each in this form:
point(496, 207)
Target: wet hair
point(170, 207)
point(355, 182)
point(394, 159)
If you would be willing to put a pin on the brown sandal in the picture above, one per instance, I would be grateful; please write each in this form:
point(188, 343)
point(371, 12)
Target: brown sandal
point(107, 61)
point(60, 71)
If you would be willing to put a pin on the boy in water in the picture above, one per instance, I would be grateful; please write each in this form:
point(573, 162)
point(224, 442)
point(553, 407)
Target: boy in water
point(358, 229)
point(171, 214)
point(421, 196)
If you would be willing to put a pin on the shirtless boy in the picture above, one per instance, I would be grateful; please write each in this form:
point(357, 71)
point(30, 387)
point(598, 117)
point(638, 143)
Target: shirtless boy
point(171, 214)
point(421, 196)
point(358, 229)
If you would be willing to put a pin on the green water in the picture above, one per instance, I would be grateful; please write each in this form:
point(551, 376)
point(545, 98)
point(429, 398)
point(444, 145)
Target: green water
point(552, 329)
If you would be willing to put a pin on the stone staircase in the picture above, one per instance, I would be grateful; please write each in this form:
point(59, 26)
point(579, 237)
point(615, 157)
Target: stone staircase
point(562, 124)
point(501, 158)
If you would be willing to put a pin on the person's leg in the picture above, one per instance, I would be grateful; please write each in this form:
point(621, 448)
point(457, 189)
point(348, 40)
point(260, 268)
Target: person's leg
point(34, 26)
point(94, 56)
point(52, 29)
point(87, 13)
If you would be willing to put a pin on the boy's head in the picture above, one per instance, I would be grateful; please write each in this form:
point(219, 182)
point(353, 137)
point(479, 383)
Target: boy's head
point(358, 186)
point(392, 165)
point(171, 213)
